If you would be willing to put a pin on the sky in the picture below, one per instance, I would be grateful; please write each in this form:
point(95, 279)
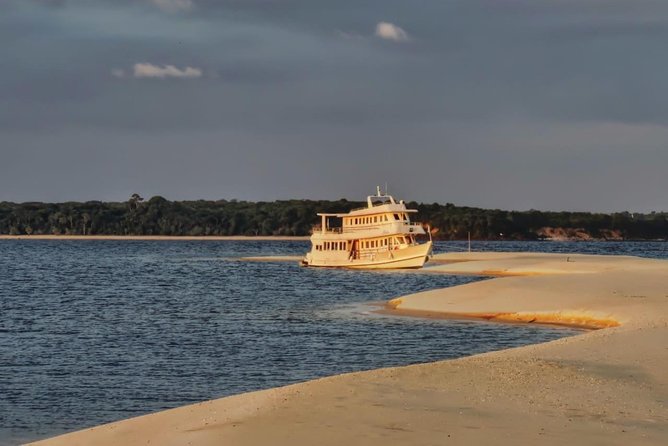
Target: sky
point(517, 104)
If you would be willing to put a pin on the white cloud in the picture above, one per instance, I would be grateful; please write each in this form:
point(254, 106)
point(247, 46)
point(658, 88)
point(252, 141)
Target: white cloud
point(173, 5)
point(389, 31)
point(142, 70)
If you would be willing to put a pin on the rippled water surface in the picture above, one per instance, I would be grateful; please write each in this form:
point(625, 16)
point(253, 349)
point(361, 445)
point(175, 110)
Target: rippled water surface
point(96, 331)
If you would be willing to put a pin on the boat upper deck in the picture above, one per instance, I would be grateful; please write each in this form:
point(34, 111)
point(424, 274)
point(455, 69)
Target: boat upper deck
point(383, 216)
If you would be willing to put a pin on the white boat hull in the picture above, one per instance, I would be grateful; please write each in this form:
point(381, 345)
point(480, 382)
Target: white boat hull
point(413, 256)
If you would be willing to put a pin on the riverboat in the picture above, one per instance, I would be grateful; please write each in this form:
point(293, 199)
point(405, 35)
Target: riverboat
point(378, 236)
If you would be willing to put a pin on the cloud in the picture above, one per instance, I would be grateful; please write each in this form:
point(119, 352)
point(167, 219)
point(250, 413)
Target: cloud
point(389, 31)
point(173, 5)
point(147, 70)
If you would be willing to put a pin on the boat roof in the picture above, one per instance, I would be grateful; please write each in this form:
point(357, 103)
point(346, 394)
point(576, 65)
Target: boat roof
point(376, 204)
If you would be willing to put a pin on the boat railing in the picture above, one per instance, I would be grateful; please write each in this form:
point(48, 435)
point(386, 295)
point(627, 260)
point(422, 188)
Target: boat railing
point(318, 229)
point(412, 227)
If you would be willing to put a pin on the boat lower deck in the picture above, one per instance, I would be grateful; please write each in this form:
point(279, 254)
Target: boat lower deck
point(413, 256)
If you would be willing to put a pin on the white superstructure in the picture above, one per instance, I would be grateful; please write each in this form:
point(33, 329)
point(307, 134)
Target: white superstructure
point(380, 235)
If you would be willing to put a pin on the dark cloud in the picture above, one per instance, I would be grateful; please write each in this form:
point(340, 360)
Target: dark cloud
point(540, 102)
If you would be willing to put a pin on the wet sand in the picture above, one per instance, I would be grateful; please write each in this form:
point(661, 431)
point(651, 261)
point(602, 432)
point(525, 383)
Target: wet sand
point(607, 386)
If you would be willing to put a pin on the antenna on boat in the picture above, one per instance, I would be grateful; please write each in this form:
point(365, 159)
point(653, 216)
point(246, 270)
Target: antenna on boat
point(378, 191)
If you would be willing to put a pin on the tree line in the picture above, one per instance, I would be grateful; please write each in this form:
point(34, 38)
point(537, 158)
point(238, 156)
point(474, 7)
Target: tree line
point(158, 216)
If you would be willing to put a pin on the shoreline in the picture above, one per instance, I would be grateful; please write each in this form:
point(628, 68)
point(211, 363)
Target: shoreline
point(500, 318)
point(239, 238)
point(279, 238)
point(602, 386)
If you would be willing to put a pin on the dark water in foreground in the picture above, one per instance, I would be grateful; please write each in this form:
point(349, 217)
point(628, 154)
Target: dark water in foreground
point(97, 331)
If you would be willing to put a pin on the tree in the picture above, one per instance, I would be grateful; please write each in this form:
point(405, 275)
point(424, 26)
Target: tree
point(134, 201)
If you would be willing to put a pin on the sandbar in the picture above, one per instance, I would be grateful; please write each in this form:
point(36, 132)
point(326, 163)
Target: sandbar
point(607, 386)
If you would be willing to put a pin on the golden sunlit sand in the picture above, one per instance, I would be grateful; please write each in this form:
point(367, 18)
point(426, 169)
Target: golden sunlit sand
point(606, 386)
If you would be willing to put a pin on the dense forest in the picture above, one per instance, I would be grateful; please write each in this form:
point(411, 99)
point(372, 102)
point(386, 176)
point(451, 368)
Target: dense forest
point(158, 216)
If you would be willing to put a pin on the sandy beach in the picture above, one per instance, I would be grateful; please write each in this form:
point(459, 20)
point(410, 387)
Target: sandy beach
point(607, 386)
point(154, 237)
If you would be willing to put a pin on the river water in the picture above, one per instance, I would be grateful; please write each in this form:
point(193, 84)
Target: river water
point(97, 331)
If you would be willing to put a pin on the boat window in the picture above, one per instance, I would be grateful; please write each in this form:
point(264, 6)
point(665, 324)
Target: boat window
point(375, 219)
point(385, 217)
point(396, 217)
